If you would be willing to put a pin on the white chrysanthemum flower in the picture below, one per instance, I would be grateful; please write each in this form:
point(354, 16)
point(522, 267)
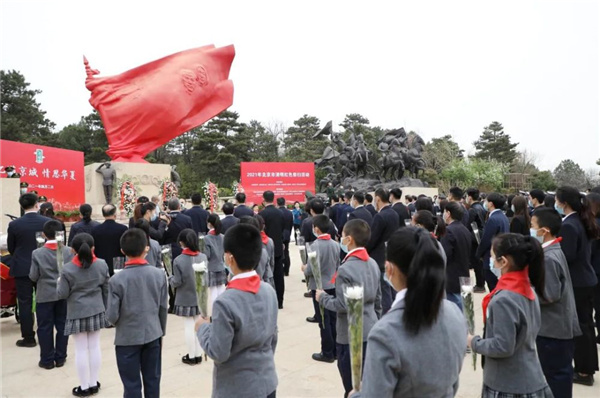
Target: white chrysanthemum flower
point(200, 267)
point(466, 289)
point(312, 255)
point(354, 292)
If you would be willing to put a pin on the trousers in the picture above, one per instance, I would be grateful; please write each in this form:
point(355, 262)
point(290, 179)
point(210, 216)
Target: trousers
point(344, 365)
point(52, 315)
point(586, 354)
point(136, 360)
point(326, 326)
point(555, 357)
point(278, 279)
point(25, 288)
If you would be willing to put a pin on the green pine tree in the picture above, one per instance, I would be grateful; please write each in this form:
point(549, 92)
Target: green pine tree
point(494, 144)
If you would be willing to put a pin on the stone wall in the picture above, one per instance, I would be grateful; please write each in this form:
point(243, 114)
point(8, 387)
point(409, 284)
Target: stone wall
point(9, 194)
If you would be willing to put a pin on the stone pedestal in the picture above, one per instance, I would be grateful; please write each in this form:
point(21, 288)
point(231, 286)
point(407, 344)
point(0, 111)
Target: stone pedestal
point(146, 177)
point(9, 193)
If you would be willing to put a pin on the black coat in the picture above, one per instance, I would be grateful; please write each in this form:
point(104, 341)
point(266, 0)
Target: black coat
point(385, 223)
point(457, 243)
point(228, 222)
point(199, 217)
point(107, 241)
point(333, 213)
point(362, 214)
point(518, 226)
point(306, 230)
point(179, 222)
point(371, 209)
point(274, 225)
point(402, 212)
point(81, 227)
point(288, 223)
point(342, 216)
point(243, 210)
point(21, 241)
point(578, 251)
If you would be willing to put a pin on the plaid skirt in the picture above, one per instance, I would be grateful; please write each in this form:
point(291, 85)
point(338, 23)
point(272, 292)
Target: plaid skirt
point(90, 324)
point(180, 310)
point(217, 278)
point(543, 393)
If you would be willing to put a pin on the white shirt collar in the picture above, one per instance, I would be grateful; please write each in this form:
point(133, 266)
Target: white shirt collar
point(399, 297)
point(243, 275)
point(30, 211)
point(359, 206)
point(354, 250)
point(567, 216)
point(495, 210)
point(52, 241)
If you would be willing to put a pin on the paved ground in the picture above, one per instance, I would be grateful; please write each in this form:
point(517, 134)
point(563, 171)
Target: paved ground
point(299, 375)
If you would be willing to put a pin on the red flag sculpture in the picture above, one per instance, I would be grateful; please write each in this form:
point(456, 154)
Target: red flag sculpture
point(148, 106)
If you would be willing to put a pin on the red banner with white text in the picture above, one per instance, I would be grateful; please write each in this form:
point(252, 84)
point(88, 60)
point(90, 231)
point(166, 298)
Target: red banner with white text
point(288, 180)
point(54, 173)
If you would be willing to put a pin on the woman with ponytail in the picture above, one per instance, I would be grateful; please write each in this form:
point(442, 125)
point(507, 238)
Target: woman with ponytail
point(85, 225)
point(579, 229)
point(512, 321)
point(417, 349)
point(214, 252)
point(183, 281)
point(84, 284)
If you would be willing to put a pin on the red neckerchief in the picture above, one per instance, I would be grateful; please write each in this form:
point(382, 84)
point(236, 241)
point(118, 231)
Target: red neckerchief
point(361, 254)
point(51, 246)
point(264, 237)
point(212, 232)
point(552, 242)
point(515, 281)
point(189, 252)
point(77, 262)
point(324, 237)
point(250, 285)
point(136, 261)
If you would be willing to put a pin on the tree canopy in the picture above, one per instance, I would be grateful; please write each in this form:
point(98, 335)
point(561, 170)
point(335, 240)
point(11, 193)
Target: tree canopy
point(495, 144)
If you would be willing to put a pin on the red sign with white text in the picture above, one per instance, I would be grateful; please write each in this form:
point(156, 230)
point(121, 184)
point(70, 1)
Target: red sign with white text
point(54, 173)
point(288, 180)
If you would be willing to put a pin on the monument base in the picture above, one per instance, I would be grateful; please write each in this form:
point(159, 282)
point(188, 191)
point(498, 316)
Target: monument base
point(10, 190)
point(146, 177)
point(410, 186)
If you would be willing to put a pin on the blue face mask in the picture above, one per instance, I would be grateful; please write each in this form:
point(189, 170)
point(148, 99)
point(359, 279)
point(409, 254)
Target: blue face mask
point(485, 206)
point(495, 271)
point(530, 203)
point(153, 218)
point(315, 234)
point(512, 208)
point(343, 247)
point(533, 233)
point(560, 210)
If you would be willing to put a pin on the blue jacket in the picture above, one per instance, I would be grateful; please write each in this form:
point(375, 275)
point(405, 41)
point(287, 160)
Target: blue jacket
point(362, 214)
point(385, 223)
point(242, 210)
point(496, 224)
point(199, 217)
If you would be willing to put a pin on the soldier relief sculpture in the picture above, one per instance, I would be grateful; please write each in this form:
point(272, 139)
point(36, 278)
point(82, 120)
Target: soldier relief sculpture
point(398, 160)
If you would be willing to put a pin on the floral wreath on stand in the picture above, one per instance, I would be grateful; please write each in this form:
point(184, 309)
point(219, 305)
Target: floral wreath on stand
point(237, 188)
point(211, 193)
point(168, 190)
point(127, 195)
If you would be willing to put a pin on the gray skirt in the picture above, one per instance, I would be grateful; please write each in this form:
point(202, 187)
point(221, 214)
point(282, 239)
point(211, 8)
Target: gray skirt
point(181, 310)
point(84, 325)
point(489, 393)
point(217, 278)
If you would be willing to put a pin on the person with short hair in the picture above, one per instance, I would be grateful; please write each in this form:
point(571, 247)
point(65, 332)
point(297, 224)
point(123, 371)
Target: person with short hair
point(536, 199)
point(422, 334)
point(359, 212)
point(137, 306)
point(107, 237)
point(229, 220)
point(274, 225)
point(356, 269)
point(288, 225)
point(86, 224)
point(83, 282)
point(400, 208)
point(154, 256)
point(456, 195)
point(333, 208)
point(198, 214)
point(157, 223)
point(51, 312)
point(555, 340)
point(242, 336)
point(21, 242)
point(178, 222)
point(369, 204)
point(328, 253)
point(315, 206)
point(241, 209)
point(476, 215)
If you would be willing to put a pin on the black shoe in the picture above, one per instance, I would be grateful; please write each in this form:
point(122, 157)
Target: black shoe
point(322, 358)
point(60, 364)
point(47, 366)
point(171, 310)
point(311, 319)
point(286, 274)
point(280, 306)
point(187, 360)
point(303, 280)
point(26, 343)
point(479, 289)
point(199, 359)
point(587, 380)
point(308, 294)
point(78, 392)
point(95, 389)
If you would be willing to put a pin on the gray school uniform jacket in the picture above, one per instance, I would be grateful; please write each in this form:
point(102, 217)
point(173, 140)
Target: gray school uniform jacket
point(154, 257)
point(403, 364)
point(137, 304)
point(184, 279)
point(328, 253)
point(355, 272)
point(241, 340)
point(86, 289)
point(511, 363)
point(266, 264)
point(559, 316)
point(44, 272)
point(214, 252)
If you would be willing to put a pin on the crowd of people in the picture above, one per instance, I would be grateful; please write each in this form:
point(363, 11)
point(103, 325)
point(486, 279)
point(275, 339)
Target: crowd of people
point(538, 255)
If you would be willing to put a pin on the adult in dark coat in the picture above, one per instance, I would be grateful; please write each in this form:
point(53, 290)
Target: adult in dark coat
point(334, 208)
point(456, 195)
point(316, 206)
point(369, 204)
point(385, 223)
point(86, 225)
point(229, 220)
point(242, 210)
point(107, 237)
point(274, 224)
point(179, 222)
point(21, 243)
point(358, 201)
point(457, 244)
point(198, 214)
point(476, 215)
point(398, 206)
point(288, 225)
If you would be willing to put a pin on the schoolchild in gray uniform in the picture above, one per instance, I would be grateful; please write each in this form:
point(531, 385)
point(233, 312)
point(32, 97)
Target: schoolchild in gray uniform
point(84, 284)
point(357, 268)
point(154, 256)
point(512, 321)
point(217, 277)
point(267, 258)
point(50, 311)
point(183, 281)
point(417, 349)
point(328, 253)
point(242, 336)
point(137, 306)
point(555, 341)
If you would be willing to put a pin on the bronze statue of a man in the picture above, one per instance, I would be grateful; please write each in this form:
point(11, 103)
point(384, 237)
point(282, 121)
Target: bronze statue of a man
point(109, 175)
